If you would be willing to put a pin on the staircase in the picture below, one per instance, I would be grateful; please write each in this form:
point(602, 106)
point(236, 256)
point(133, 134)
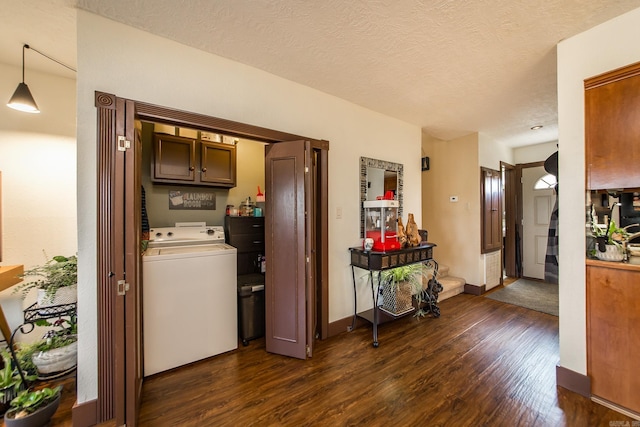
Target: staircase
point(451, 285)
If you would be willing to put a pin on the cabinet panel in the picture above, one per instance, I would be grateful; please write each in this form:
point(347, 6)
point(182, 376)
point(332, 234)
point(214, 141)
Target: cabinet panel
point(612, 129)
point(218, 162)
point(179, 160)
point(613, 319)
point(174, 158)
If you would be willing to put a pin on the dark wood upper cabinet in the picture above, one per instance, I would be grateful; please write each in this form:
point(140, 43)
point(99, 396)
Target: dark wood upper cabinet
point(179, 160)
point(491, 211)
point(218, 163)
point(612, 129)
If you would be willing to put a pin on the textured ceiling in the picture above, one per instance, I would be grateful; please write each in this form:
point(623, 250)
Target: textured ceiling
point(450, 67)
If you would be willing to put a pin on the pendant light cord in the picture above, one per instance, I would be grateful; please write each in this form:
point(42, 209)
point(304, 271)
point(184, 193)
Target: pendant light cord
point(26, 46)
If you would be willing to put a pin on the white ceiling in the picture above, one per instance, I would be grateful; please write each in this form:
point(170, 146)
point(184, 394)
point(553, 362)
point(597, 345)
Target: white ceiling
point(450, 67)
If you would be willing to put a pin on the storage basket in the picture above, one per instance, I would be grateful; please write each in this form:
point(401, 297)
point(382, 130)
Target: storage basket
point(396, 298)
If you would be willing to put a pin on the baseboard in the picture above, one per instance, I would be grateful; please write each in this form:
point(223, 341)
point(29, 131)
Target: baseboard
point(573, 381)
point(85, 414)
point(344, 325)
point(474, 289)
point(628, 412)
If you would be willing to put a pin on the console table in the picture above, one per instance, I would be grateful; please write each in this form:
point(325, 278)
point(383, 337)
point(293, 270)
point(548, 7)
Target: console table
point(375, 263)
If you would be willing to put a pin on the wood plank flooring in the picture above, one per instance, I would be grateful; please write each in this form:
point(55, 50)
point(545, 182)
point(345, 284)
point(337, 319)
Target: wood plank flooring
point(482, 363)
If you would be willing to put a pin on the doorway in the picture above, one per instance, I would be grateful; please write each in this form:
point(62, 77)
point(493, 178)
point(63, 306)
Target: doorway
point(538, 198)
point(118, 252)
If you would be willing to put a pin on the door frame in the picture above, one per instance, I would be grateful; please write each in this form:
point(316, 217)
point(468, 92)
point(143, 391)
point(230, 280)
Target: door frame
point(112, 379)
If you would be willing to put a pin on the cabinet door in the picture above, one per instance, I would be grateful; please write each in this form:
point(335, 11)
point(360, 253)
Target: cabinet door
point(174, 158)
point(612, 129)
point(613, 335)
point(218, 164)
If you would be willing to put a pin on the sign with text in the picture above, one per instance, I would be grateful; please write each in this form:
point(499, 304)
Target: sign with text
point(205, 201)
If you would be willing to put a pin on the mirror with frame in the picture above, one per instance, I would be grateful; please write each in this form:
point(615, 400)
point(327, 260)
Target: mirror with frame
point(376, 178)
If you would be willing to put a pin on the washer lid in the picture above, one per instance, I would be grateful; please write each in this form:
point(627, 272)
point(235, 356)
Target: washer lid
point(194, 249)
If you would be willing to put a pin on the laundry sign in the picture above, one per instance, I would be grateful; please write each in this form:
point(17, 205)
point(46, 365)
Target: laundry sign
point(205, 201)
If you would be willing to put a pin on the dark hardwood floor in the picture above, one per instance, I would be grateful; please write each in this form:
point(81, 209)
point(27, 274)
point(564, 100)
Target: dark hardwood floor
point(482, 363)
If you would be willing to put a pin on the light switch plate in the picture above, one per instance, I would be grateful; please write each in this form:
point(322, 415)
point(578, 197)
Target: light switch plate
point(453, 199)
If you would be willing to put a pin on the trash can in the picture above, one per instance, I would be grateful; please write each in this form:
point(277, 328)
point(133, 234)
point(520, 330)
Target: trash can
point(250, 307)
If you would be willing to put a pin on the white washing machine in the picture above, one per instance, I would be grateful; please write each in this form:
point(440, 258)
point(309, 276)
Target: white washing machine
point(189, 296)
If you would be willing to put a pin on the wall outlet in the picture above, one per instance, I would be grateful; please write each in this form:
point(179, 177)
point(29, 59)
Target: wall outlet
point(453, 199)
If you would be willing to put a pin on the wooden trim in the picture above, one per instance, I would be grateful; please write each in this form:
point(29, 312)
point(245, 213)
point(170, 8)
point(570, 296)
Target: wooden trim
point(172, 116)
point(612, 265)
point(84, 414)
point(573, 381)
point(474, 289)
point(530, 165)
point(612, 76)
point(106, 109)
point(323, 238)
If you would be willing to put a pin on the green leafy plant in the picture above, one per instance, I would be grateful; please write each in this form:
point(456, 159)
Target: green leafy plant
point(10, 376)
point(57, 272)
point(614, 235)
point(411, 274)
point(27, 402)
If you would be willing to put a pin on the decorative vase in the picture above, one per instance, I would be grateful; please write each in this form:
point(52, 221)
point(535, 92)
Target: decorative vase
point(612, 253)
point(36, 419)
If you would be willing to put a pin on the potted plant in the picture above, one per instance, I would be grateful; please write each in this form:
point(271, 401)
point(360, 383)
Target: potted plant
point(56, 354)
point(399, 285)
point(609, 241)
point(56, 281)
point(33, 408)
point(10, 381)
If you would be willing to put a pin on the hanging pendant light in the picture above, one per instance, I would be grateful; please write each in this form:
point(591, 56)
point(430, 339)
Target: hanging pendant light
point(22, 100)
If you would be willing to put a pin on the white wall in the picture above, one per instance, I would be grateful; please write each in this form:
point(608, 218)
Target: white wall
point(454, 227)
point(534, 153)
point(598, 50)
point(491, 153)
point(38, 165)
point(121, 60)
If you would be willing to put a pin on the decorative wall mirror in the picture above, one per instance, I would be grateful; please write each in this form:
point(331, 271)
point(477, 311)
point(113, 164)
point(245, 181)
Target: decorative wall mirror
point(376, 178)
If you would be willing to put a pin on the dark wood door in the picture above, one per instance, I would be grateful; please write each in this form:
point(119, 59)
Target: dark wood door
point(289, 286)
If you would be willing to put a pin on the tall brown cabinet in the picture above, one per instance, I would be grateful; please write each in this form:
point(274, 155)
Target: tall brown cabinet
point(612, 156)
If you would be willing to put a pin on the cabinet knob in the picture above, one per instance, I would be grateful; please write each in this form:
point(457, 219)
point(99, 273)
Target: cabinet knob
point(204, 169)
point(191, 168)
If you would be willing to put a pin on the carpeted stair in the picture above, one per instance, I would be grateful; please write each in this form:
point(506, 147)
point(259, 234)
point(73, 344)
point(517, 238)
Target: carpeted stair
point(451, 285)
